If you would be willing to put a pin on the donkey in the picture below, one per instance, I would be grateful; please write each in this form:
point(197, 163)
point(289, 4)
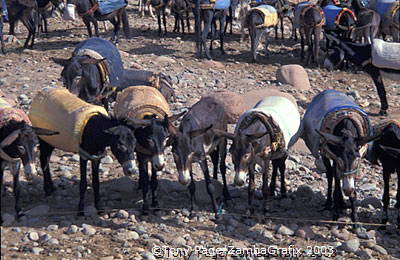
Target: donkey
point(143, 4)
point(46, 8)
point(2, 7)
point(194, 140)
point(206, 11)
point(386, 149)
point(390, 17)
point(257, 27)
point(18, 144)
point(368, 21)
point(95, 72)
point(160, 6)
point(26, 11)
point(360, 55)
point(90, 13)
point(180, 9)
point(336, 129)
point(311, 19)
point(96, 134)
point(258, 140)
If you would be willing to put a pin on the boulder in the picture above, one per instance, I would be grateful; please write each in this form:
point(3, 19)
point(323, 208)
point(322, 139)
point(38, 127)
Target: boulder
point(294, 75)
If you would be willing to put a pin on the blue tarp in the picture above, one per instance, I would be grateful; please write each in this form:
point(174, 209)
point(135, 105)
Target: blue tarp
point(108, 51)
point(222, 4)
point(324, 103)
point(330, 12)
point(382, 6)
point(108, 6)
point(4, 10)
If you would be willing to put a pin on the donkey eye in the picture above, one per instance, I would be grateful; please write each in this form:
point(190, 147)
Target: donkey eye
point(21, 149)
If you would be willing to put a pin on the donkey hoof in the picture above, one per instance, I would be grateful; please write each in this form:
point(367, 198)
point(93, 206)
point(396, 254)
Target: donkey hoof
point(383, 112)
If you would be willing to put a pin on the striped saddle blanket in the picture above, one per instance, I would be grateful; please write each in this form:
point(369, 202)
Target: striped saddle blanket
point(331, 104)
point(386, 54)
point(268, 12)
point(108, 6)
point(331, 13)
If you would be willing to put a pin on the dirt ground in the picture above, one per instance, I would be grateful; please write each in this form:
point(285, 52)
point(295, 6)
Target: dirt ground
point(50, 228)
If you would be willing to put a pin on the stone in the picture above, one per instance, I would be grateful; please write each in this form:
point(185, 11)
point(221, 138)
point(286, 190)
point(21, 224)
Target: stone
point(34, 236)
point(88, 229)
point(380, 250)
point(294, 75)
point(178, 241)
point(122, 235)
point(107, 159)
point(283, 230)
point(72, 229)
point(364, 254)
point(305, 232)
point(122, 214)
point(53, 241)
point(52, 227)
point(110, 257)
point(37, 250)
point(344, 235)
point(40, 210)
point(148, 256)
point(164, 60)
point(373, 201)
point(368, 187)
point(351, 245)
point(213, 64)
point(16, 229)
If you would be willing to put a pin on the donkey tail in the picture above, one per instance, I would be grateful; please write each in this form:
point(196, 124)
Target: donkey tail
point(125, 23)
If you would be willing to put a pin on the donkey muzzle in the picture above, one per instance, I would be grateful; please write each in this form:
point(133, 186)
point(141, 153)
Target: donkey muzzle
point(158, 161)
point(30, 171)
point(348, 186)
point(129, 168)
point(240, 178)
point(184, 177)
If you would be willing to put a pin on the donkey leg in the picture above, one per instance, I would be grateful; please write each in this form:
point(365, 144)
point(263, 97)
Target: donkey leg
point(210, 187)
point(206, 30)
point(222, 22)
point(82, 186)
point(96, 185)
point(154, 186)
point(222, 168)
point(15, 167)
point(398, 197)
point(281, 19)
point(2, 165)
point(164, 21)
point(385, 197)
point(192, 191)
point(380, 87)
point(144, 176)
point(282, 168)
point(89, 29)
point(188, 21)
point(302, 44)
point(329, 177)
point(45, 153)
point(214, 159)
point(1, 35)
point(116, 25)
point(251, 189)
point(159, 21)
point(275, 165)
point(265, 190)
point(96, 27)
point(255, 36)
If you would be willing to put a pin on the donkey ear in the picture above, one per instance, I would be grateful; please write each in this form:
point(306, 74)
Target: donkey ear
point(198, 132)
point(225, 134)
point(332, 139)
point(175, 117)
point(91, 61)
point(253, 137)
point(366, 139)
point(62, 62)
point(136, 123)
point(43, 131)
point(395, 152)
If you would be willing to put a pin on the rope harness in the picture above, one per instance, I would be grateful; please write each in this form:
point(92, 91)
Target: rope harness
point(275, 133)
point(339, 16)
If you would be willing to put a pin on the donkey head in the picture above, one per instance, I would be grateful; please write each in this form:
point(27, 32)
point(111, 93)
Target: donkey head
point(21, 144)
point(243, 152)
point(345, 150)
point(123, 143)
point(389, 141)
point(81, 76)
point(183, 144)
point(154, 138)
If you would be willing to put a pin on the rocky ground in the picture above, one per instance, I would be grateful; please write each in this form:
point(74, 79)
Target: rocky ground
point(51, 229)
